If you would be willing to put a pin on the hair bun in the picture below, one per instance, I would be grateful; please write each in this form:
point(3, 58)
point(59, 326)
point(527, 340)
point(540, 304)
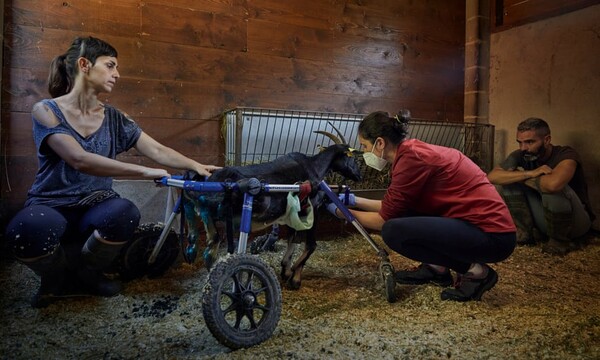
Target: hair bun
point(403, 116)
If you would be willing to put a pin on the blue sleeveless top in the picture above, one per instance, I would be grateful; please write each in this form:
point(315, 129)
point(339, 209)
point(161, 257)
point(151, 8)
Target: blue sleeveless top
point(58, 184)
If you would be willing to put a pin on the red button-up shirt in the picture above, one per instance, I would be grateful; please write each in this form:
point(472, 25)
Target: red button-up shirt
point(434, 180)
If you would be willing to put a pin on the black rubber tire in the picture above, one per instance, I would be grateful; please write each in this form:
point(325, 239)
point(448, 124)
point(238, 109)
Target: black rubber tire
point(241, 302)
point(133, 262)
point(389, 282)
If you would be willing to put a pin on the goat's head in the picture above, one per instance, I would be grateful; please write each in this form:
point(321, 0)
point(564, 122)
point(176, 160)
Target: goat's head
point(344, 161)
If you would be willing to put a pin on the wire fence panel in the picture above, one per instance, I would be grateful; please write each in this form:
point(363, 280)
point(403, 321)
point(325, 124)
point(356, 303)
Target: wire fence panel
point(256, 135)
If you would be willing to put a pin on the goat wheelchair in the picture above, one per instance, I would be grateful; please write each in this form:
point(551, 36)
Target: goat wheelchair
point(241, 300)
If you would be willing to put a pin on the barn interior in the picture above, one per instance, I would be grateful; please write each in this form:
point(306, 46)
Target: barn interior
point(189, 66)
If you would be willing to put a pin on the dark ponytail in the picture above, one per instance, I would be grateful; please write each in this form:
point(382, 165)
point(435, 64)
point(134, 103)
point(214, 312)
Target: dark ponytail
point(59, 81)
point(380, 124)
point(63, 68)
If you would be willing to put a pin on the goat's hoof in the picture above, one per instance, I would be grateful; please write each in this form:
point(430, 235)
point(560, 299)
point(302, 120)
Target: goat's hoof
point(209, 260)
point(286, 276)
point(293, 285)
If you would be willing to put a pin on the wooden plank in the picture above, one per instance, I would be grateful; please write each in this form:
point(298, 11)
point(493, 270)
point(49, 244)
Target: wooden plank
point(184, 63)
point(233, 7)
point(321, 45)
point(406, 21)
point(450, 109)
point(193, 27)
point(311, 44)
point(285, 74)
point(121, 18)
point(512, 13)
point(168, 99)
point(516, 12)
point(23, 88)
point(17, 139)
point(193, 138)
point(424, 58)
point(317, 14)
point(17, 179)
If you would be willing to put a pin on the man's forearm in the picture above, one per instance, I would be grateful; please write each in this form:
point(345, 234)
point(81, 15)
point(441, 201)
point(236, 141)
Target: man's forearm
point(505, 177)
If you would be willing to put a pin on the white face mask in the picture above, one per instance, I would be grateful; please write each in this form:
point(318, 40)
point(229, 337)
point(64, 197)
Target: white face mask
point(374, 161)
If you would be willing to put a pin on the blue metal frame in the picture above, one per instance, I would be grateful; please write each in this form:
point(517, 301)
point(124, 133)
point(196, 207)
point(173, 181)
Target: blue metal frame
point(250, 188)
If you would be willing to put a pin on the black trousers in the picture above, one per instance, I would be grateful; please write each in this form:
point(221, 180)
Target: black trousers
point(37, 230)
point(452, 243)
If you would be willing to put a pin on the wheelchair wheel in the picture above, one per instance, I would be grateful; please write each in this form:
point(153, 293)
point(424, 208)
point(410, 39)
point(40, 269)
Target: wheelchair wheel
point(133, 262)
point(241, 302)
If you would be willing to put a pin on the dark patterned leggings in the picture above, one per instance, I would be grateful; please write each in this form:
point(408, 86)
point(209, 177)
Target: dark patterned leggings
point(37, 230)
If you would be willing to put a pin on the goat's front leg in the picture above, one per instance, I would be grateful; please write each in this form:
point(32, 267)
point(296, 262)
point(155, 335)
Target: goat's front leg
point(193, 227)
point(212, 248)
point(286, 261)
point(213, 241)
point(295, 280)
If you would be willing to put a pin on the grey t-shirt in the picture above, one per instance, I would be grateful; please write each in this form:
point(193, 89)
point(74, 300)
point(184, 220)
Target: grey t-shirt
point(58, 184)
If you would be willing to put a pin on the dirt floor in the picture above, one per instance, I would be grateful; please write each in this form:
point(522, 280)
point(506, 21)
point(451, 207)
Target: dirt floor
point(543, 307)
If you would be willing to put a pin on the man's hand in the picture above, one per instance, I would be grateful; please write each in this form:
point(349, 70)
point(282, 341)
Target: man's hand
point(499, 176)
point(542, 170)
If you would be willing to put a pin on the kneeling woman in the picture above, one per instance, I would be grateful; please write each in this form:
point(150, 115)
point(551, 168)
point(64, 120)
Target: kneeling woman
point(440, 209)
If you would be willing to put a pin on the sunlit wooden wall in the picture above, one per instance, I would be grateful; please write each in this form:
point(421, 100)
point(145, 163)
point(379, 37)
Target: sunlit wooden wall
point(183, 63)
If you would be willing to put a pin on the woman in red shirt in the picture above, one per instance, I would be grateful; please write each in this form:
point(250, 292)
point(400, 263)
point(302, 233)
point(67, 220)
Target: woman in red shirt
point(440, 209)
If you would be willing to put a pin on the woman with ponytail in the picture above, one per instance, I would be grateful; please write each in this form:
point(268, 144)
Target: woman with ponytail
point(73, 224)
point(439, 209)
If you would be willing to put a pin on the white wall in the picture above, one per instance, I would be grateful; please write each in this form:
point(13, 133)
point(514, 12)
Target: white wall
point(550, 69)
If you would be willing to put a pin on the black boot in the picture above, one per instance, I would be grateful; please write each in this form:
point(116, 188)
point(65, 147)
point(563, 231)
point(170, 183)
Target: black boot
point(559, 228)
point(97, 255)
point(56, 283)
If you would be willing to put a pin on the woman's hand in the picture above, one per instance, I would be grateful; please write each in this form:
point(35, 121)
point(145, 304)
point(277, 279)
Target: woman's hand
point(153, 173)
point(205, 170)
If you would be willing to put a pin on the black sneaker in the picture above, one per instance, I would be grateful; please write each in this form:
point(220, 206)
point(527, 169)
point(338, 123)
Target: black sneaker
point(467, 289)
point(423, 274)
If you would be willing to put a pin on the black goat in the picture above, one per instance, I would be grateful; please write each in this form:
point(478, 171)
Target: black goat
point(268, 208)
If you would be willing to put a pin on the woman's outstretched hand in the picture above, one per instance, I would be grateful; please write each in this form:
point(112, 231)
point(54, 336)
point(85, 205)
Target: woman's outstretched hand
point(206, 170)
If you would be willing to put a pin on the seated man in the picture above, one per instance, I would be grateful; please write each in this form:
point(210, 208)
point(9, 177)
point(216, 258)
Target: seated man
point(545, 189)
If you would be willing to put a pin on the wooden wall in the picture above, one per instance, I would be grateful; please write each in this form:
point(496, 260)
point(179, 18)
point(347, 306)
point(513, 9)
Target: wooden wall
point(184, 62)
point(507, 14)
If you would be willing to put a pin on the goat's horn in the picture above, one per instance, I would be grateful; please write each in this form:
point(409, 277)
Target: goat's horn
point(329, 135)
point(338, 132)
